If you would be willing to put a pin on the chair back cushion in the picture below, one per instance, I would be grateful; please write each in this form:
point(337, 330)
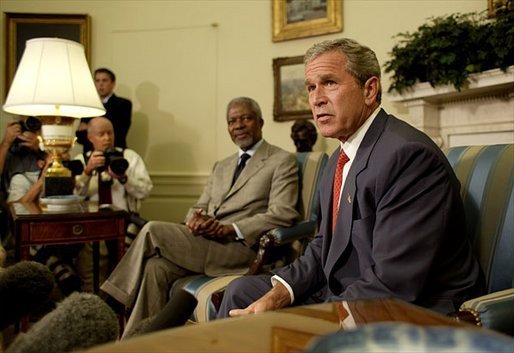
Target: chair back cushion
point(486, 174)
point(310, 166)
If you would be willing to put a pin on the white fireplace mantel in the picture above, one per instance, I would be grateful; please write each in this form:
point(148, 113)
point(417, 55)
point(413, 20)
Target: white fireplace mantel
point(481, 113)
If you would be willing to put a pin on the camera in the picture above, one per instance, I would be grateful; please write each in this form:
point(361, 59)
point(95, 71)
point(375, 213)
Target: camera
point(114, 160)
point(75, 166)
point(31, 124)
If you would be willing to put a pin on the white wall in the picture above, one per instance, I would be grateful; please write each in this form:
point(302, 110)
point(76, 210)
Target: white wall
point(180, 62)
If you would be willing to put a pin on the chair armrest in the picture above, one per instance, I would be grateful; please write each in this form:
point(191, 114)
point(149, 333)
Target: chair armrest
point(277, 237)
point(494, 311)
point(298, 231)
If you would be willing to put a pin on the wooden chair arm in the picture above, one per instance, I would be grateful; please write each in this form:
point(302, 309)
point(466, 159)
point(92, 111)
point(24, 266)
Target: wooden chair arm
point(266, 242)
point(280, 236)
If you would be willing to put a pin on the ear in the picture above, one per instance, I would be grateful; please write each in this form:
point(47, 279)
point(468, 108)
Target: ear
point(262, 122)
point(371, 90)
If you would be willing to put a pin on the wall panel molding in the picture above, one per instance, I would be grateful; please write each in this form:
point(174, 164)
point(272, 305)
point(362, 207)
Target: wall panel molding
point(172, 195)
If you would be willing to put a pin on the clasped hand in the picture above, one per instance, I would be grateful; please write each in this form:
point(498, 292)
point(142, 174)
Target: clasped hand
point(206, 226)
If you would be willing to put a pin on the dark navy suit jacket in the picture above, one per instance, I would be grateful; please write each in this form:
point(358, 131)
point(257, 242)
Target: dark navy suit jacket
point(119, 112)
point(400, 230)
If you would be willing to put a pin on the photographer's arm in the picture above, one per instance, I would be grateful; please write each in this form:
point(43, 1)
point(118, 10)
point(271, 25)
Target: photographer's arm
point(95, 161)
point(136, 180)
point(82, 181)
point(33, 193)
point(12, 131)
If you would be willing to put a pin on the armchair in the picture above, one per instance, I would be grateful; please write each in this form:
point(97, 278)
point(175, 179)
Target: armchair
point(275, 247)
point(486, 174)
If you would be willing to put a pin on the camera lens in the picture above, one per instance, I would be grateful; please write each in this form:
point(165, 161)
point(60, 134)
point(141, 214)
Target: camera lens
point(119, 165)
point(32, 124)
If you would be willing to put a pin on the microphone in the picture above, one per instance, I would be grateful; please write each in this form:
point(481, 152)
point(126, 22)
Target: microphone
point(175, 313)
point(80, 321)
point(24, 288)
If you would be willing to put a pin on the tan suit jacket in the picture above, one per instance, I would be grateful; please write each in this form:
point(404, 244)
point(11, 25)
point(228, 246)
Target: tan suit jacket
point(263, 197)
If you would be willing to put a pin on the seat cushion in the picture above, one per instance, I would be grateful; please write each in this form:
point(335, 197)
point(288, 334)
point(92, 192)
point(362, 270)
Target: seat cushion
point(203, 288)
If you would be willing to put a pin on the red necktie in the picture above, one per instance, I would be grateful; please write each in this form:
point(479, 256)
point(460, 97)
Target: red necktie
point(338, 181)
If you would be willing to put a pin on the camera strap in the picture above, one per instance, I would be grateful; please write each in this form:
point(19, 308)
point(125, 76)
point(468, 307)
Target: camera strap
point(104, 191)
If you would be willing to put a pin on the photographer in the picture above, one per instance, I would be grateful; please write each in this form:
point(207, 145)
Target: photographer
point(128, 188)
point(19, 150)
point(105, 179)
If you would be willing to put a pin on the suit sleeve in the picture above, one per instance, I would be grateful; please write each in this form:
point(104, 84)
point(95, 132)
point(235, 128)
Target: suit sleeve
point(305, 275)
point(126, 118)
point(138, 183)
point(203, 201)
point(283, 198)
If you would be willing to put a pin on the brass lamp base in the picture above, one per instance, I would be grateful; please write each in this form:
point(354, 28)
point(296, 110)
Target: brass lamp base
point(58, 138)
point(55, 186)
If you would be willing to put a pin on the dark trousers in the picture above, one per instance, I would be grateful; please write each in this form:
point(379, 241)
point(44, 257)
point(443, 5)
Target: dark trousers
point(244, 291)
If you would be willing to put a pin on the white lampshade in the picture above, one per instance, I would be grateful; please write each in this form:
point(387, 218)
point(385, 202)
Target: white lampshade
point(53, 78)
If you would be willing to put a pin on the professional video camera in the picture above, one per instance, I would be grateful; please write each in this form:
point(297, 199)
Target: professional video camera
point(114, 159)
point(31, 124)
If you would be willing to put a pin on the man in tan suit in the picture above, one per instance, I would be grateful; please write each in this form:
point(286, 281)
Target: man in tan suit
point(221, 229)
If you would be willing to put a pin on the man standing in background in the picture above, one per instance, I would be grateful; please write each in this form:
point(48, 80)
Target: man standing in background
point(118, 110)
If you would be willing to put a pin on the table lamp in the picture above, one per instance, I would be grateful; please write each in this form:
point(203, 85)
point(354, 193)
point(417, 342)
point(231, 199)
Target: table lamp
point(53, 82)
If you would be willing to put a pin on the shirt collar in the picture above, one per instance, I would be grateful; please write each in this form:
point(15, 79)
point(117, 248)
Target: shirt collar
point(251, 151)
point(106, 99)
point(351, 146)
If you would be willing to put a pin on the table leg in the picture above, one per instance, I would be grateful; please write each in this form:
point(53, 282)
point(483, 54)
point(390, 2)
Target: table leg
point(96, 267)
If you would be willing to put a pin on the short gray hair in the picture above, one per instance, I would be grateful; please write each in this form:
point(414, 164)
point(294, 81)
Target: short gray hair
point(249, 102)
point(362, 63)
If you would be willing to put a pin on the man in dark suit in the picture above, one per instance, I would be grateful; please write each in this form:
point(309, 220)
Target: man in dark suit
point(222, 229)
point(392, 217)
point(118, 110)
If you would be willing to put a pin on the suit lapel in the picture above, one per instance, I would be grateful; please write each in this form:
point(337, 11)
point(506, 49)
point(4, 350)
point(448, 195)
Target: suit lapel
point(228, 173)
point(327, 185)
point(343, 228)
point(253, 165)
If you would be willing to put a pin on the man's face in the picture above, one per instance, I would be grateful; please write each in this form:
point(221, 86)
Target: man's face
point(337, 101)
point(101, 135)
point(104, 84)
point(244, 127)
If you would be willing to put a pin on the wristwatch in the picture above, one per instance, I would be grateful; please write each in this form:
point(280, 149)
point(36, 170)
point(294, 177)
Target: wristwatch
point(123, 179)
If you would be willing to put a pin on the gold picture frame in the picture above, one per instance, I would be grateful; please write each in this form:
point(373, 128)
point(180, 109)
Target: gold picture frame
point(294, 19)
point(291, 101)
point(494, 6)
point(19, 27)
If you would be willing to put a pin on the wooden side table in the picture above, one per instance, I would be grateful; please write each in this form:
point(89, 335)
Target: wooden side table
point(80, 223)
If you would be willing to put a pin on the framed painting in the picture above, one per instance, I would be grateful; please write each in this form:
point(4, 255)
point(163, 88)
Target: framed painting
point(291, 100)
point(19, 27)
point(294, 19)
point(495, 6)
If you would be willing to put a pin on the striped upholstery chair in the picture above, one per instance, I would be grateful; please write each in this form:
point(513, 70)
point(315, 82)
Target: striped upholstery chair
point(486, 174)
point(206, 289)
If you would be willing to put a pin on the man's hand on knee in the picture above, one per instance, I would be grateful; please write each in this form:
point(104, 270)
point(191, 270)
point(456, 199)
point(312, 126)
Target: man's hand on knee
point(277, 298)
